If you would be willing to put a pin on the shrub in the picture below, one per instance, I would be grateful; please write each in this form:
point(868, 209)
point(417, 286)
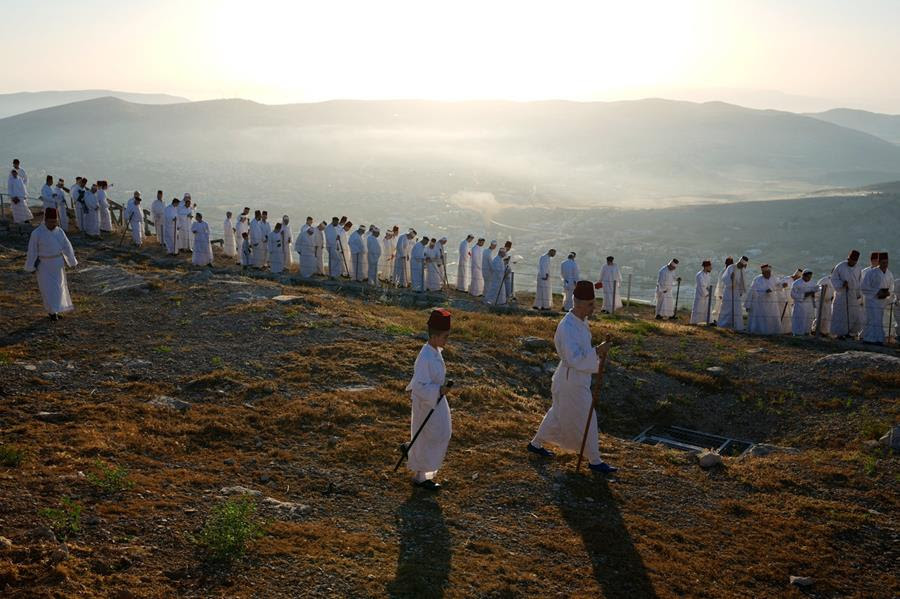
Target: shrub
point(10, 456)
point(228, 529)
point(64, 521)
point(110, 479)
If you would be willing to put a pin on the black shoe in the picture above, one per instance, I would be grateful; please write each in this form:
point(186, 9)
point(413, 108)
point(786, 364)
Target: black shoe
point(52, 317)
point(428, 485)
point(658, 317)
point(603, 468)
point(673, 318)
point(544, 453)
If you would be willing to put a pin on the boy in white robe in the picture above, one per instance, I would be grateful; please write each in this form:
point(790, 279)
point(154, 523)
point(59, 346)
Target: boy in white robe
point(665, 290)
point(611, 283)
point(276, 250)
point(568, 272)
point(170, 233)
point(543, 295)
point(700, 310)
point(428, 391)
point(15, 187)
point(462, 268)
point(246, 252)
point(432, 253)
point(134, 219)
point(877, 288)
point(373, 255)
point(158, 211)
point(185, 222)
point(49, 252)
point(476, 276)
point(229, 245)
point(203, 254)
point(803, 292)
point(572, 405)
point(48, 194)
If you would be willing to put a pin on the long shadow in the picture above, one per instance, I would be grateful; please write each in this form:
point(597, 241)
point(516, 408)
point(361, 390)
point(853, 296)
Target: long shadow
point(423, 564)
point(618, 567)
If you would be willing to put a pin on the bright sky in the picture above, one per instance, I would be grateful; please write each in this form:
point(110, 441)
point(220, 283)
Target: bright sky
point(295, 51)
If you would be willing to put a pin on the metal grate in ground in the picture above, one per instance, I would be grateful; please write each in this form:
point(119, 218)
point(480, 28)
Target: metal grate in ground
point(685, 439)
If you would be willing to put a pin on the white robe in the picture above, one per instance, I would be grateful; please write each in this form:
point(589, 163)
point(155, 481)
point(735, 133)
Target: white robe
point(462, 268)
point(433, 274)
point(417, 266)
point(386, 266)
point(822, 318)
point(320, 250)
point(359, 265)
point(170, 216)
point(569, 274)
point(105, 216)
point(785, 302)
point(344, 247)
point(840, 308)
point(476, 281)
point(764, 306)
point(665, 294)
point(246, 253)
point(134, 220)
point(76, 192)
point(47, 197)
point(564, 422)
point(495, 294)
point(487, 257)
point(257, 241)
point(49, 252)
point(611, 278)
point(399, 274)
point(543, 295)
point(734, 288)
point(307, 250)
point(267, 233)
point(287, 240)
point(373, 255)
point(185, 218)
point(871, 284)
point(20, 211)
point(334, 254)
point(62, 207)
point(700, 310)
point(804, 307)
point(91, 216)
point(275, 248)
point(427, 454)
point(159, 220)
point(203, 253)
point(229, 245)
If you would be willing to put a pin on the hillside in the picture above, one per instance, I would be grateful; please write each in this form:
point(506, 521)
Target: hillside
point(885, 126)
point(619, 153)
point(22, 102)
point(302, 401)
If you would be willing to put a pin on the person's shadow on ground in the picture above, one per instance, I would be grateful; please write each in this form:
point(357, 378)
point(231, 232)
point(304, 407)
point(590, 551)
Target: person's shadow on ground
point(423, 563)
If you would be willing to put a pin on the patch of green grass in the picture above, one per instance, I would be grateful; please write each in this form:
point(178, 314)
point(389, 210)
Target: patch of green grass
point(228, 529)
point(398, 330)
point(163, 349)
point(871, 426)
point(10, 456)
point(64, 521)
point(642, 328)
point(110, 479)
point(870, 465)
point(217, 361)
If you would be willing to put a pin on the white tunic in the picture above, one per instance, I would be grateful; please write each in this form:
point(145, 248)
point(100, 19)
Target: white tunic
point(874, 281)
point(433, 274)
point(427, 454)
point(62, 207)
point(185, 218)
point(257, 241)
point(476, 280)
point(20, 211)
point(49, 252)
point(665, 296)
point(359, 265)
point(306, 248)
point(170, 235)
point(134, 220)
point(229, 245)
point(246, 253)
point(287, 240)
point(611, 278)
point(569, 274)
point(78, 204)
point(764, 306)
point(564, 422)
point(91, 216)
point(203, 254)
point(734, 288)
point(276, 252)
point(786, 302)
point(462, 268)
point(700, 310)
point(386, 267)
point(487, 257)
point(495, 294)
point(105, 216)
point(543, 295)
point(47, 197)
point(417, 266)
point(804, 307)
point(840, 307)
point(159, 219)
point(344, 247)
point(264, 245)
point(373, 255)
point(822, 318)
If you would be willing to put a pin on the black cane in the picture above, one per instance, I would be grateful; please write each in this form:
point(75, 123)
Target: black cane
point(677, 291)
point(405, 447)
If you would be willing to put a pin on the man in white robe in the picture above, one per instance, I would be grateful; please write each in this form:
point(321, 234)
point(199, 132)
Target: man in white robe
point(20, 172)
point(487, 259)
point(572, 406)
point(48, 199)
point(257, 240)
point(359, 265)
point(77, 193)
point(319, 242)
point(495, 293)
point(401, 259)
point(15, 187)
point(229, 239)
point(91, 215)
point(170, 234)
point(388, 247)
point(243, 224)
point(158, 210)
point(569, 274)
point(428, 391)
point(702, 290)
point(49, 252)
point(334, 258)
point(785, 300)
point(62, 205)
point(847, 317)
point(510, 271)
point(476, 279)
point(665, 290)
point(344, 247)
point(432, 255)
point(442, 260)
point(873, 263)
point(134, 219)
point(803, 292)
point(734, 289)
point(611, 281)
point(720, 288)
point(276, 250)
point(763, 304)
point(103, 203)
point(287, 242)
point(877, 287)
point(185, 222)
point(373, 255)
point(307, 250)
point(202, 254)
point(822, 317)
point(462, 268)
point(417, 264)
point(543, 294)
point(267, 233)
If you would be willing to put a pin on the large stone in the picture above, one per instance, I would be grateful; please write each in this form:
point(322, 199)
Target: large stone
point(892, 438)
point(102, 279)
point(859, 360)
point(53, 417)
point(763, 449)
point(709, 459)
point(802, 581)
point(239, 490)
point(288, 299)
point(536, 343)
point(286, 506)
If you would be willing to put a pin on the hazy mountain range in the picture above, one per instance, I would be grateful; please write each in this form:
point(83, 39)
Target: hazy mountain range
point(635, 153)
point(21, 102)
point(885, 126)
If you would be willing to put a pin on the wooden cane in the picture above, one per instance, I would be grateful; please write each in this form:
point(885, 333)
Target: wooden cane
point(594, 401)
point(709, 290)
point(502, 283)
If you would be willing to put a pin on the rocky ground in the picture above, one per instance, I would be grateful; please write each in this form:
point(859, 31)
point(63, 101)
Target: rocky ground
point(206, 384)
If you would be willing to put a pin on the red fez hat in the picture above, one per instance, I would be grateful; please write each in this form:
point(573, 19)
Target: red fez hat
point(439, 320)
point(50, 213)
point(874, 255)
point(584, 290)
point(854, 254)
point(883, 256)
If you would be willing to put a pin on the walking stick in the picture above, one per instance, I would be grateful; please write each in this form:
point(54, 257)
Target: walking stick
point(595, 398)
point(819, 311)
point(405, 447)
point(890, 321)
point(502, 283)
point(340, 247)
point(708, 304)
point(733, 323)
point(444, 268)
point(612, 309)
point(847, 306)
point(677, 291)
point(124, 230)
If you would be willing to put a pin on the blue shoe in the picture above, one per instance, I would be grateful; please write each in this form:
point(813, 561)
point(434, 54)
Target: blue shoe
point(603, 468)
point(544, 453)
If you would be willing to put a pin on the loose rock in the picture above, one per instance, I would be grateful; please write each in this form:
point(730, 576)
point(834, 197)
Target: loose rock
point(536, 343)
point(802, 581)
point(239, 490)
point(708, 459)
point(164, 401)
point(286, 506)
point(5, 543)
point(892, 438)
point(54, 417)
